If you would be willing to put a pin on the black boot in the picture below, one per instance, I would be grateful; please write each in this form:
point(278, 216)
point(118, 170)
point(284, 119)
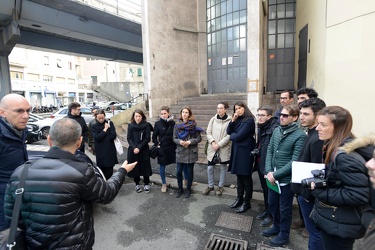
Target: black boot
point(187, 193)
point(245, 206)
point(238, 202)
point(180, 191)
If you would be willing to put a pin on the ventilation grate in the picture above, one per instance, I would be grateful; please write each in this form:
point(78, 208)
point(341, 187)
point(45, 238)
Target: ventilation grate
point(235, 221)
point(219, 242)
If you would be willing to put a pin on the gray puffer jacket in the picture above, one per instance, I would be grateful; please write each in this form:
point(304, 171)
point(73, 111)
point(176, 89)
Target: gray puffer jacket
point(56, 211)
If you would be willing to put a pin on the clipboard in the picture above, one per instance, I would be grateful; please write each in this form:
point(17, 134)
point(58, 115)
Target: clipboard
point(275, 187)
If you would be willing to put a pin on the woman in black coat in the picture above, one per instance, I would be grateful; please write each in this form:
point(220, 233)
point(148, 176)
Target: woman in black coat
point(241, 130)
point(163, 138)
point(139, 135)
point(104, 134)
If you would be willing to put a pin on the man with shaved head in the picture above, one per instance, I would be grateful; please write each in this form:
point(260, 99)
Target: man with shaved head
point(14, 114)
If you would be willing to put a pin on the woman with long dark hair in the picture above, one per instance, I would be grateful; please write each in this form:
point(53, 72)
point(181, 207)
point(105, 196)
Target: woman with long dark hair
point(139, 135)
point(186, 136)
point(162, 136)
point(241, 130)
point(338, 204)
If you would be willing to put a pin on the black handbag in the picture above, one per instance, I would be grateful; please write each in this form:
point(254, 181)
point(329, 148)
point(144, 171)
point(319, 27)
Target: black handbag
point(153, 151)
point(216, 159)
point(17, 238)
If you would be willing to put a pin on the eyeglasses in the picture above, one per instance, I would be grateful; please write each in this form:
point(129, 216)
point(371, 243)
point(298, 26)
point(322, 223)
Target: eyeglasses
point(261, 115)
point(284, 115)
point(20, 111)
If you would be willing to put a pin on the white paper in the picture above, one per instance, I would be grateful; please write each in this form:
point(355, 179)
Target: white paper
point(302, 170)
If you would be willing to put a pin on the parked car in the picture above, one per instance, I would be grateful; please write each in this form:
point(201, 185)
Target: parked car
point(109, 105)
point(85, 112)
point(33, 134)
point(43, 123)
point(118, 108)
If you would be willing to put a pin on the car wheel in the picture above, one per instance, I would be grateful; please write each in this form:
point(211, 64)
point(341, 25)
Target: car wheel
point(45, 132)
point(108, 108)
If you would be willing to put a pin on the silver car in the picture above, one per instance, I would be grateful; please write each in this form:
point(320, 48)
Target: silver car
point(85, 113)
point(43, 123)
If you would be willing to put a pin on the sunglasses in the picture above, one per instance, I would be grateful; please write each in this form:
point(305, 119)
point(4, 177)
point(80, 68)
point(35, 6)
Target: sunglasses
point(284, 115)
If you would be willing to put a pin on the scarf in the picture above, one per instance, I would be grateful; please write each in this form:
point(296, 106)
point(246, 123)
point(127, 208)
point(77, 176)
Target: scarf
point(16, 131)
point(184, 129)
point(225, 116)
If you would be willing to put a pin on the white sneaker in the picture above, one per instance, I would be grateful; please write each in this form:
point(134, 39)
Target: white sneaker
point(138, 188)
point(147, 189)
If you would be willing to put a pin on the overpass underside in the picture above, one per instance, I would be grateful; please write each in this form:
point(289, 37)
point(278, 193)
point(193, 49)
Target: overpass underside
point(67, 26)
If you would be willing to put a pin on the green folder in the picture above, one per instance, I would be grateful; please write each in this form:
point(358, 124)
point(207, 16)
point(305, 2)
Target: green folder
point(275, 187)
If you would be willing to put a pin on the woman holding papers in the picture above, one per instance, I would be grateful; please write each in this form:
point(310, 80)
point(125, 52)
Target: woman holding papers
point(241, 130)
point(338, 205)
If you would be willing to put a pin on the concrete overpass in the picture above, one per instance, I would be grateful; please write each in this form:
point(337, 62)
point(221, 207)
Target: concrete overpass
point(77, 27)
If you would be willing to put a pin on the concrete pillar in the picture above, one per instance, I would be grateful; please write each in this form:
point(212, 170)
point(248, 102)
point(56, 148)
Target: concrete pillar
point(174, 54)
point(8, 39)
point(254, 50)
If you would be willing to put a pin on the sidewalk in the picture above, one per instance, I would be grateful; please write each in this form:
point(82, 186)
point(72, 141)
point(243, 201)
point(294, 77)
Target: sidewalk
point(161, 221)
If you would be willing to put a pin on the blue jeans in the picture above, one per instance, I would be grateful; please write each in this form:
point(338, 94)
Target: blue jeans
point(162, 174)
point(315, 238)
point(210, 175)
point(3, 224)
point(280, 206)
point(188, 169)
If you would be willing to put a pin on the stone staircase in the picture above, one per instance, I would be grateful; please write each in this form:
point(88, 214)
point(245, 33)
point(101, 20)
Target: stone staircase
point(203, 108)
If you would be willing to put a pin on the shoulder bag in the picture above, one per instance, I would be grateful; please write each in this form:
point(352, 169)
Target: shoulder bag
point(118, 145)
point(17, 238)
point(154, 148)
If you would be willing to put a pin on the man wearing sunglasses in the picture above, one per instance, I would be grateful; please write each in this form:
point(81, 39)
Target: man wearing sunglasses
point(14, 114)
point(284, 148)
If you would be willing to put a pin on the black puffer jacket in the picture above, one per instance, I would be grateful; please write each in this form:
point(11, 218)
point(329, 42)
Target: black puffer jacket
point(338, 206)
point(57, 203)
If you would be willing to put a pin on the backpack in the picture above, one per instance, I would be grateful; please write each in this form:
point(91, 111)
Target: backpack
point(368, 211)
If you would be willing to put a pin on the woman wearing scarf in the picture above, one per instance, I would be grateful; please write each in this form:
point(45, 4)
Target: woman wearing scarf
point(219, 143)
point(139, 135)
point(162, 136)
point(242, 130)
point(186, 136)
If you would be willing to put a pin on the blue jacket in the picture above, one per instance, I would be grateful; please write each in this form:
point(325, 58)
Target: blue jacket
point(12, 151)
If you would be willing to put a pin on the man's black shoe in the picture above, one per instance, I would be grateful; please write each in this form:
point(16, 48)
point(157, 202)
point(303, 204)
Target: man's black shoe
point(180, 191)
point(270, 232)
point(245, 206)
point(267, 222)
point(238, 202)
point(262, 216)
point(278, 242)
point(187, 193)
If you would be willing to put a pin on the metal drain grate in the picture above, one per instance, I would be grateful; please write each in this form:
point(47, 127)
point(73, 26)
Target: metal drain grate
point(235, 221)
point(261, 246)
point(219, 242)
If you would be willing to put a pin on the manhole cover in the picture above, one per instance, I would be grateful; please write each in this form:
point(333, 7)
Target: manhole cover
point(235, 221)
point(223, 242)
point(261, 246)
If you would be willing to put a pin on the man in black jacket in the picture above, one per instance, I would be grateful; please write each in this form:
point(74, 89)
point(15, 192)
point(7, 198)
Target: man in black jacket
point(59, 190)
point(266, 124)
point(311, 152)
point(74, 112)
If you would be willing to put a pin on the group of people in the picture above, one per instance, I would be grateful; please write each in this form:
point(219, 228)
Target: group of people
point(308, 131)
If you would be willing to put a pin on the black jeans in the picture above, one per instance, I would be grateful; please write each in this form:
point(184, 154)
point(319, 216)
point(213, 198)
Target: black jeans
point(245, 187)
point(146, 180)
point(332, 242)
point(263, 184)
